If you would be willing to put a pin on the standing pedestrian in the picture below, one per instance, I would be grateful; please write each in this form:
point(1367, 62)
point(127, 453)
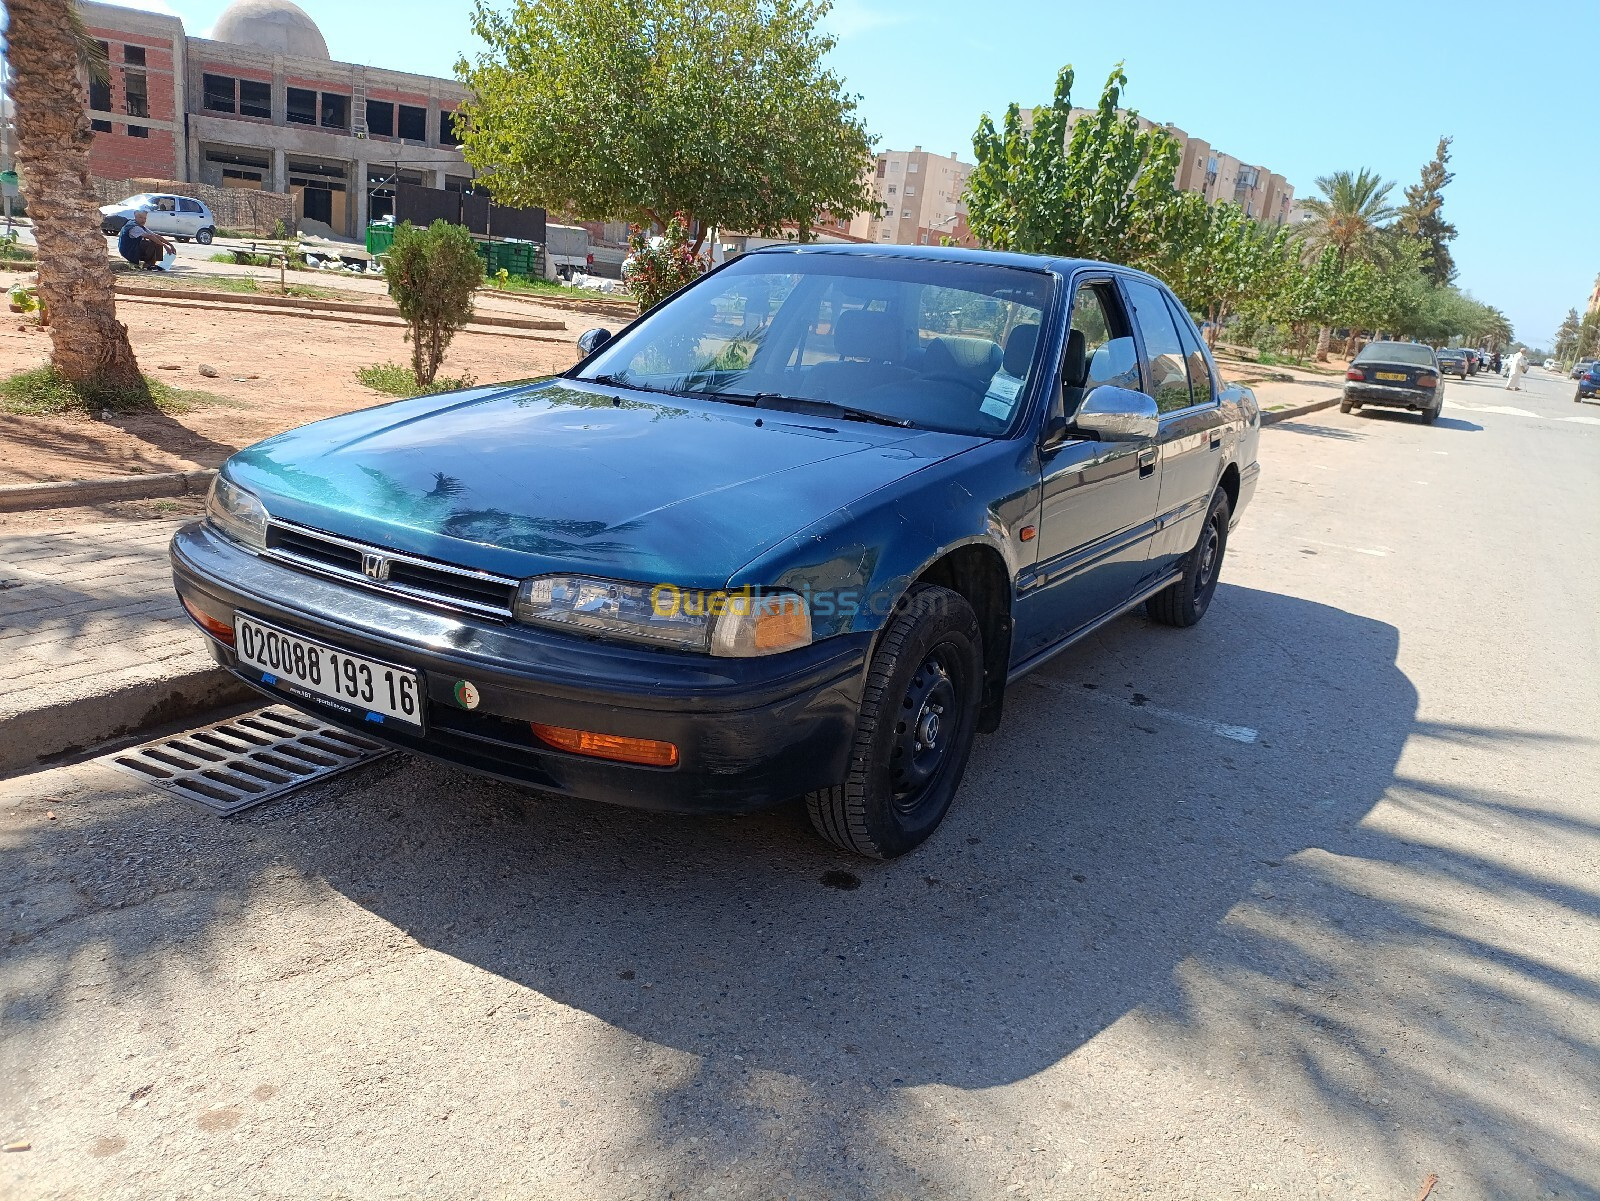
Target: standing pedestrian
point(1519, 364)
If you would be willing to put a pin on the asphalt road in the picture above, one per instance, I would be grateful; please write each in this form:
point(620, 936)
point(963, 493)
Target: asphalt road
point(1303, 902)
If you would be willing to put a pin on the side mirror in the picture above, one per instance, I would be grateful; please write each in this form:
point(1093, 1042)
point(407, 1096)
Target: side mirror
point(592, 340)
point(1113, 414)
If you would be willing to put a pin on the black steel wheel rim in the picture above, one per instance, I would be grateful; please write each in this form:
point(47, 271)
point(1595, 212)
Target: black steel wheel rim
point(926, 728)
point(1210, 558)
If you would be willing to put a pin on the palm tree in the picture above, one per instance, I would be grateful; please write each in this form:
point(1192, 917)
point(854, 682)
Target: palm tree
point(89, 346)
point(1350, 216)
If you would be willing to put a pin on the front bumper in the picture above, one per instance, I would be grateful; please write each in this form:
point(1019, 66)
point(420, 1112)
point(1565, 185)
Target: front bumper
point(750, 732)
point(1391, 396)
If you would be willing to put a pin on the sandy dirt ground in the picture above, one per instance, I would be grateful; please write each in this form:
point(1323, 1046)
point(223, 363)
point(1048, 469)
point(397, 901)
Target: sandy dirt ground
point(276, 372)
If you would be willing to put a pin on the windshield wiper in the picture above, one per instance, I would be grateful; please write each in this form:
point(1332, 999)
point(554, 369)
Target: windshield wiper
point(613, 380)
point(777, 400)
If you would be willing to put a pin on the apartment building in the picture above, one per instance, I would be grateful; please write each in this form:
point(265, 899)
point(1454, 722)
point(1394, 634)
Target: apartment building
point(261, 104)
point(919, 200)
point(1262, 194)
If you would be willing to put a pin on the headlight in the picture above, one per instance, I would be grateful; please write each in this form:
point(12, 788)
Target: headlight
point(237, 514)
point(733, 624)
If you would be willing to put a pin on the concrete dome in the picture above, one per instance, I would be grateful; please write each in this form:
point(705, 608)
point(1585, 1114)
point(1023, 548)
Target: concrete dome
point(273, 25)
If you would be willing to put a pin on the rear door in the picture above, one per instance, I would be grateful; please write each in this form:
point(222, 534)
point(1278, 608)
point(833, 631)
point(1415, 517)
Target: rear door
point(190, 217)
point(1180, 380)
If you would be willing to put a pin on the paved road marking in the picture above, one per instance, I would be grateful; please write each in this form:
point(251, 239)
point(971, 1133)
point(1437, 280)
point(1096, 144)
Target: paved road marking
point(1138, 702)
point(1512, 411)
point(1377, 551)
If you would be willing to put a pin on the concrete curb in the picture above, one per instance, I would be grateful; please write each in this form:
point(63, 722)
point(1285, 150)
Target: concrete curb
point(1297, 411)
point(16, 497)
point(35, 737)
point(302, 304)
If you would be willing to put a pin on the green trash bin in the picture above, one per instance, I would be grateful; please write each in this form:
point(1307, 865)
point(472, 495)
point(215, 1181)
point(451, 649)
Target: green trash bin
point(380, 236)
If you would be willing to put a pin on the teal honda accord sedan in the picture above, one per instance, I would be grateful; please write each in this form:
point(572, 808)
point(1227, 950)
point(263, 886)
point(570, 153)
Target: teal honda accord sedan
point(791, 533)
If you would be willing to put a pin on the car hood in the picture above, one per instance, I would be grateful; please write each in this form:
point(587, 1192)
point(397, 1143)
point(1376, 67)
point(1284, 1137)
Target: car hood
point(569, 476)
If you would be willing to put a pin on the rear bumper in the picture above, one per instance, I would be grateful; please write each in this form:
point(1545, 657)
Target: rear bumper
point(750, 732)
point(1397, 397)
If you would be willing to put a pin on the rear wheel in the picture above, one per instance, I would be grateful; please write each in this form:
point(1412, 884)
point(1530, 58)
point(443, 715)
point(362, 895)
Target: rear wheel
point(205, 235)
point(1186, 602)
point(1345, 406)
point(919, 713)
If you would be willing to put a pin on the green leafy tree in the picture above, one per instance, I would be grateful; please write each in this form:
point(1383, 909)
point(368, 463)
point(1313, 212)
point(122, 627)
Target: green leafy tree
point(432, 273)
point(1422, 218)
point(1567, 337)
point(1218, 258)
point(1101, 188)
point(1589, 336)
point(636, 109)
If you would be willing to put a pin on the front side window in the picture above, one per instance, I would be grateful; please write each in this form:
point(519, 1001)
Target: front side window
point(1109, 355)
point(933, 345)
point(1169, 376)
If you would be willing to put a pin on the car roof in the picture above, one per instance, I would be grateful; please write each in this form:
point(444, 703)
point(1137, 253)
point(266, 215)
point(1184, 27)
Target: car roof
point(952, 254)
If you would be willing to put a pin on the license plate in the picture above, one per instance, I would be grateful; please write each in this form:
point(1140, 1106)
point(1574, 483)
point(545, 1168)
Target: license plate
point(1394, 375)
point(363, 689)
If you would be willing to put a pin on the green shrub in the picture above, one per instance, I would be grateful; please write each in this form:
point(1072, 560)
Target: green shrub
point(432, 273)
point(392, 379)
point(656, 272)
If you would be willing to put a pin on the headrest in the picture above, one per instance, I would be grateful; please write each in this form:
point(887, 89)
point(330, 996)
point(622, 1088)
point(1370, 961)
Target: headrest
point(1075, 367)
point(1019, 349)
point(863, 334)
point(973, 356)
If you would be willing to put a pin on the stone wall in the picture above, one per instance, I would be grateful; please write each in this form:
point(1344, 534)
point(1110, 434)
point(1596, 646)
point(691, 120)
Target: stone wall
point(244, 209)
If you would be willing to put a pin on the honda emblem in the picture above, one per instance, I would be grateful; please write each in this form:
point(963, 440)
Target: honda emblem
point(375, 567)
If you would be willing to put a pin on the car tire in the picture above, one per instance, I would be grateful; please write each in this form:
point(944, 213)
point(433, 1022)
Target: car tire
point(204, 236)
point(1345, 406)
point(914, 732)
point(1186, 602)
point(1432, 415)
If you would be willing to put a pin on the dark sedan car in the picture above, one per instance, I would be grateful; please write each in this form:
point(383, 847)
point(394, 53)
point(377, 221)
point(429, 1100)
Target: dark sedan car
point(1395, 375)
point(1454, 362)
point(1474, 359)
point(792, 533)
point(1589, 383)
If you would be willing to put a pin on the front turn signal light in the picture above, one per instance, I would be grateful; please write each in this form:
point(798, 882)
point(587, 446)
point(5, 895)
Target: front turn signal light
point(220, 630)
point(645, 751)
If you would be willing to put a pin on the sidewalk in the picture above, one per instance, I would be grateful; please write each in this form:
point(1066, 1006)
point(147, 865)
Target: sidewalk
point(94, 642)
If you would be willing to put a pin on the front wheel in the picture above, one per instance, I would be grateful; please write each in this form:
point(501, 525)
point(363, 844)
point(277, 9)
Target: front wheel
point(205, 235)
point(919, 713)
point(1186, 602)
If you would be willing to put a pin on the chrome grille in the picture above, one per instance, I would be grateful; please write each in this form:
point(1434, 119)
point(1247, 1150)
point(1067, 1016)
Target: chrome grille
point(383, 570)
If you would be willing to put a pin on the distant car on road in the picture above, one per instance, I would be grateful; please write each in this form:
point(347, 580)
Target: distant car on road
point(180, 217)
point(1549, 364)
point(1580, 367)
point(1589, 384)
point(1474, 359)
point(1395, 375)
point(1454, 362)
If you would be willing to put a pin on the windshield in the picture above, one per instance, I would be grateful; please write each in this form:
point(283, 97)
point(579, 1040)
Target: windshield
point(934, 345)
point(1411, 353)
point(133, 202)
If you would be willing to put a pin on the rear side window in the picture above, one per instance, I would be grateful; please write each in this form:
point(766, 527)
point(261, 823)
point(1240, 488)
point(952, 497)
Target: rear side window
point(1169, 374)
point(185, 205)
point(1202, 384)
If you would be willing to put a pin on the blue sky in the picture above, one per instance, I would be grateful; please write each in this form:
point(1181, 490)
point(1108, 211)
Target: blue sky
point(1300, 89)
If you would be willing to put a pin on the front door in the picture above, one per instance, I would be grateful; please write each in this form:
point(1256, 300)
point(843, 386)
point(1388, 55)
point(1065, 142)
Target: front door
point(1190, 441)
point(1098, 498)
point(163, 218)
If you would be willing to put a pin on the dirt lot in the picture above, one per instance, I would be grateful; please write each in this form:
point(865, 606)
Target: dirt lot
point(277, 371)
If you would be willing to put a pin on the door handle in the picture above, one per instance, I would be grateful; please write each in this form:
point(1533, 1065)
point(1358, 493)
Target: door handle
point(1216, 439)
point(1147, 462)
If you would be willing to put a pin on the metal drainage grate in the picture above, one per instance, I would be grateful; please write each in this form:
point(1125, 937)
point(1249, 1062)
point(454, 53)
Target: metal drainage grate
point(259, 757)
